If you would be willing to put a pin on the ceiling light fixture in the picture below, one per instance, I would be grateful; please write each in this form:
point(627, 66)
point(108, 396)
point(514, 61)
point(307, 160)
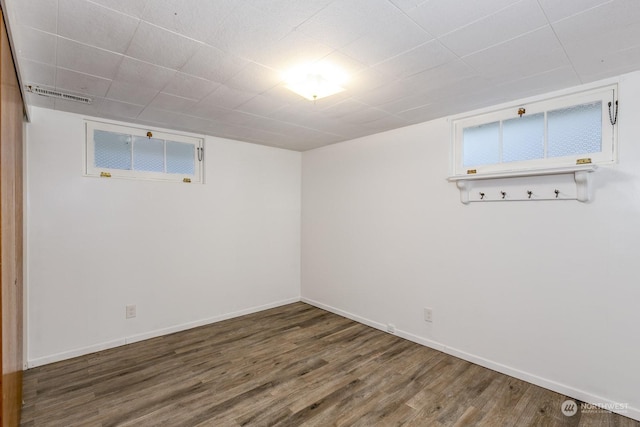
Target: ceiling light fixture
point(315, 81)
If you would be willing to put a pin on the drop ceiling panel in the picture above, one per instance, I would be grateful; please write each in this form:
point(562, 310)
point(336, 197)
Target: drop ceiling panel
point(440, 17)
point(95, 25)
point(41, 15)
point(37, 73)
point(37, 45)
point(144, 74)
point(87, 59)
point(196, 19)
point(189, 86)
point(513, 21)
point(120, 110)
point(213, 64)
point(216, 66)
point(557, 10)
point(428, 55)
point(161, 47)
point(86, 84)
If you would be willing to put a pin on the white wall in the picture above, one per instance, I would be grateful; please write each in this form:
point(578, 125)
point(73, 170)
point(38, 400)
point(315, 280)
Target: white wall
point(184, 254)
point(545, 291)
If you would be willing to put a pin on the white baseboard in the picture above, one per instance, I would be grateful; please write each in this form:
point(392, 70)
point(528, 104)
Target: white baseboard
point(32, 363)
point(564, 389)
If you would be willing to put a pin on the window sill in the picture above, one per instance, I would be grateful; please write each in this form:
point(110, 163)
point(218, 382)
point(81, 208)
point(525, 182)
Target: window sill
point(581, 175)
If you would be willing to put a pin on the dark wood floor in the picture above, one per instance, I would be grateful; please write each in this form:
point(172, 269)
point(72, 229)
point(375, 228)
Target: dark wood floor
point(294, 365)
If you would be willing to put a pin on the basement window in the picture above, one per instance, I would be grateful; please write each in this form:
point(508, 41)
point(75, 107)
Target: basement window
point(554, 133)
point(127, 152)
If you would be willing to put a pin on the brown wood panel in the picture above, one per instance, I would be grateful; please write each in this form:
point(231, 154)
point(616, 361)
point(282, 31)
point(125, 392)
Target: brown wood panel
point(11, 223)
point(294, 365)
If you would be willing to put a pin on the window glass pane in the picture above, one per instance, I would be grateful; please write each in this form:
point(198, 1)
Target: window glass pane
point(481, 145)
point(523, 138)
point(575, 130)
point(148, 154)
point(112, 150)
point(180, 158)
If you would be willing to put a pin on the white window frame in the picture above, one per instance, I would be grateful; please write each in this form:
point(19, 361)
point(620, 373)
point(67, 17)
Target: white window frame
point(91, 170)
point(607, 155)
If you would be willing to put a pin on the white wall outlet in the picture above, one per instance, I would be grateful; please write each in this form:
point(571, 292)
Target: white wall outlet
point(130, 311)
point(428, 314)
point(391, 328)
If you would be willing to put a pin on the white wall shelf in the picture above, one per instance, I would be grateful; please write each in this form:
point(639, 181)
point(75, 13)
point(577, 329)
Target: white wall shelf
point(527, 185)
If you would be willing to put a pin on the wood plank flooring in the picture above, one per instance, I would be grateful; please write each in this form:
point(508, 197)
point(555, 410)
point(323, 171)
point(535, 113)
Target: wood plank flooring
point(294, 365)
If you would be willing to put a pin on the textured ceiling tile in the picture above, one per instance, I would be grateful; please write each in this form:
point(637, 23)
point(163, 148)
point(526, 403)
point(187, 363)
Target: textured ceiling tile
point(189, 86)
point(131, 93)
point(87, 59)
point(164, 101)
point(226, 97)
point(161, 47)
point(513, 21)
point(619, 20)
point(36, 45)
point(212, 64)
point(365, 115)
point(421, 58)
point(342, 22)
point(290, 12)
point(144, 74)
point(38, 74)
point(404, 104)
point(156, 115)
point(129, 7)
point(260, 105)
point(95, 25)
point(255, 78)
point(40, 101)
point(40, 14)
point(622, 61)
point(120, 110)
point(73, 81)
point(529, 54)
point(78, 107)
point(398, 35)
point(247, 31)
point(208, 111)
point(557, 10)
point(406, 5)
point(439, 17)
point(348, 106)
point(292, 50)
point(198, 19)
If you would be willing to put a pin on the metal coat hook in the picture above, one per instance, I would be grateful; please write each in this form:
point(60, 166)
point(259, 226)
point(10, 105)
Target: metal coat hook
point(557, 193)
point(481, 195)
point(530, 193)
point(504, 194)
point(613, 116)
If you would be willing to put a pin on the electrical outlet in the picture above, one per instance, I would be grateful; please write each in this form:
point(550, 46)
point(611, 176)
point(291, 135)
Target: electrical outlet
point(391, 328)
point(130, 311)
point(428, 314)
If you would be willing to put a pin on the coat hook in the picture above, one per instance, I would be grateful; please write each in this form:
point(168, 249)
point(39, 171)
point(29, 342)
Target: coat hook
point(504, 194)
point(481, 195)
point(530, 193)
point(557, 193)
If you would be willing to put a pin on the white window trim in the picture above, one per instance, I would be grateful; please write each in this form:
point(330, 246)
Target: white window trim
point(92, 171)
point(608, 154)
